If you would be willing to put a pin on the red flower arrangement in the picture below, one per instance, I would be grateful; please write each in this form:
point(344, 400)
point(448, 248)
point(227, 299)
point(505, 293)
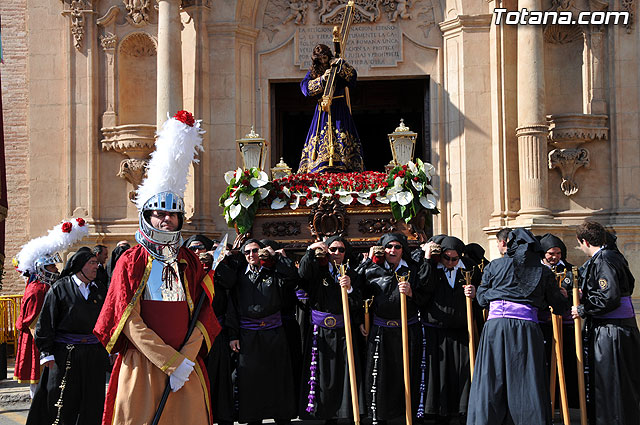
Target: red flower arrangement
point(66, 227)
point(185, 117)
point(80, 221)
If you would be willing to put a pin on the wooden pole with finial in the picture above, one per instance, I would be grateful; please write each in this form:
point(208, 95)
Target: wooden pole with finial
point(342, 268)
point(556, 322)
point(579, 353)
point(470, 324)
point(405, 351)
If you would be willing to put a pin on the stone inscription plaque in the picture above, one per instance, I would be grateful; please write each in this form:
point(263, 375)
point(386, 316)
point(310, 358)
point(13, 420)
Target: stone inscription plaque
point(368, 45)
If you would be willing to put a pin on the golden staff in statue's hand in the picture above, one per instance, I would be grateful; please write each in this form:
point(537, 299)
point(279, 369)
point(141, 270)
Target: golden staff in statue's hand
point(342, 271)
point(579, 353)
point(557, 361)
point(469, 294)
point(404, 280)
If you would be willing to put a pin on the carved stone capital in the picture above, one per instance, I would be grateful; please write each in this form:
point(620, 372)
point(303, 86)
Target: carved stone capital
point(532, 130)
point(108, 41)
point(568, 161)
point(328, 218)
point(133, 140)
point(574, 129)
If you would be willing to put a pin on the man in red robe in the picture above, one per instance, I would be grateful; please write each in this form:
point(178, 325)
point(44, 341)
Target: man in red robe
point(154, 289)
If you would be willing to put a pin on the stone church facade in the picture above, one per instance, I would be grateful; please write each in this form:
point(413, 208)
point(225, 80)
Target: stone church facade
point(532, 126)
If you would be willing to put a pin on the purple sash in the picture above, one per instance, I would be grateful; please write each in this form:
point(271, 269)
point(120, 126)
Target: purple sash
point(65, 338)
point(510, 310)
point(393, 323)
point(262, 324)
point(625, 311)
point(302, 295)
point(327, 320)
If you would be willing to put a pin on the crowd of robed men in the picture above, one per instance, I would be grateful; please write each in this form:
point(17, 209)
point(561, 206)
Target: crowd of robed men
point(257, 335)
point(282, 350)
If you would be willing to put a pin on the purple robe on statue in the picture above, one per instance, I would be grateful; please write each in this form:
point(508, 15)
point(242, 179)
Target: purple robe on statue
point(347, 155)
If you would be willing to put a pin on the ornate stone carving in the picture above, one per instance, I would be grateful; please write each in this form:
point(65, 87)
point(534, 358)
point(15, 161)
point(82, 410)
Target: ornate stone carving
point(568, 161)
point(76, 11)
point(189, 3)
point(137, 12)
point(108, 41)
point(562, 34)
point(377, 225)
point(138, 44)
point(629, 6)
point(132, 140)
point(281, 228)
point(328, 218)
point(136, 142)
point(133, 170)
point(577, 128)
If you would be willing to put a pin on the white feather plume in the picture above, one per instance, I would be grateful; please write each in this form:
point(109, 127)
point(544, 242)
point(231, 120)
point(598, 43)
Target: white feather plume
point(56, 240)
point(176, 147)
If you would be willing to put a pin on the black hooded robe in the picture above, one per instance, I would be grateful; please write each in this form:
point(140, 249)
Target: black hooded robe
point(612, 346)
point(332, 389)
point(66, 311)
point(264, 373)
point(510, 381)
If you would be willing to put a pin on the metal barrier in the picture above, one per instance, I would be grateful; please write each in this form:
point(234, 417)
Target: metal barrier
point(9, 311)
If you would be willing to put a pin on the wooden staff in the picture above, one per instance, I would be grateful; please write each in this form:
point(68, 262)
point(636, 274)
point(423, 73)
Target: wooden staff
point(579, 354)
point(347, 331)
point(470, 324)
point(405, 351)
point(367, 321)
point(556, 322)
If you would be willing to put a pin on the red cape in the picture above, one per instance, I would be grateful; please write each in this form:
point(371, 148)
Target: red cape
point(27, 367)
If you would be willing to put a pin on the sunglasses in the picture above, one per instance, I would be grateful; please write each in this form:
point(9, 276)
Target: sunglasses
point(251, 251)
point(446, 257)
point(339, 249)
point(196, 247)
point(393, 246)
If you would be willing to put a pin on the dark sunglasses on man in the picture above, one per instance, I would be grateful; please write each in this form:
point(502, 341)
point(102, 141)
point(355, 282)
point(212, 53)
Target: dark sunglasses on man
point(197, 247)
point(446, 257)
point(339, 249)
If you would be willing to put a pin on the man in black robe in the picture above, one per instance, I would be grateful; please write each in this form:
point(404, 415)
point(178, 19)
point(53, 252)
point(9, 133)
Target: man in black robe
point(264, 375)
point(445, 326)
point(612, 341)
point(510, 381)
point(555, 257)
point(328, 395)
point(68, 348)
point(384, 385)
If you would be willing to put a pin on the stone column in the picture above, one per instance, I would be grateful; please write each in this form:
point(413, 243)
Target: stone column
point(532, 126)
point(169, 82)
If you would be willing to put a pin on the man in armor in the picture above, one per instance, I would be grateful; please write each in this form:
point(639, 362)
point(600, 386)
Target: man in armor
point(154, 289)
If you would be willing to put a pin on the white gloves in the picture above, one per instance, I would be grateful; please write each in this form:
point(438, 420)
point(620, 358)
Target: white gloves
point(181, 374)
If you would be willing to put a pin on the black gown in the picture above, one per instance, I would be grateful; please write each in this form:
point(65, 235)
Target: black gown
point(510, 381)
point(264, 374)
point(612, 346)
point(219, 360)
point(447, 341)
point(384, 385)
point(568, 343)
point(332, 389)
point(65, 311)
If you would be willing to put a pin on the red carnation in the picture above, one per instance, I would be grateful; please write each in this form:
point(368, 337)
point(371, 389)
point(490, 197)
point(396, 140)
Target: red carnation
point(185, 117)
point(66, 227)
point(80, 221)
point(401, 173)
point(245, 182)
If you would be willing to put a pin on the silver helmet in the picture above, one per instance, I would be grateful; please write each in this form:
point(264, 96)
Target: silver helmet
point(44, 275)
point(163, 245)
